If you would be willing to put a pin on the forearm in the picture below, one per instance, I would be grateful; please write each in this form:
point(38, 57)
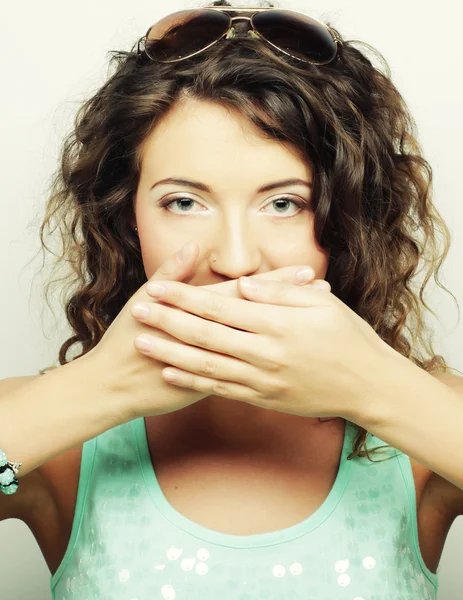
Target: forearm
point(55, 412)
point(415, 413)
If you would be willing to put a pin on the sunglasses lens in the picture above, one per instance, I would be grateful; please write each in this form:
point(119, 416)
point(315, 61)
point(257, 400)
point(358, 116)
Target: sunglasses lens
point(298, 35)
point(185, 32)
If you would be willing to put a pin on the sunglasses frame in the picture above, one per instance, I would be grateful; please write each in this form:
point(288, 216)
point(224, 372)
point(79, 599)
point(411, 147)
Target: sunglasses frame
point(252, 32)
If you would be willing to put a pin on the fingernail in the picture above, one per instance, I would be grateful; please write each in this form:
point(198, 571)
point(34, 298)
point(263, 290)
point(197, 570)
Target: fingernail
point(155, 289)
point(305, 275)
point(251, 285)
point(323, 285)
point(144, 343)
point(140, 311)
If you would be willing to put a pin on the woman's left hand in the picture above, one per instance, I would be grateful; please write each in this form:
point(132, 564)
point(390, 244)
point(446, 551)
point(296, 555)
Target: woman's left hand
point(298, 350)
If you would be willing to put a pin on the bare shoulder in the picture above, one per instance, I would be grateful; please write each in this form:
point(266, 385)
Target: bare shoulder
point(444, 496)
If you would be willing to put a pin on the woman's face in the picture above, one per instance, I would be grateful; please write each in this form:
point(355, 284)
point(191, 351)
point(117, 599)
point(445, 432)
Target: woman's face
point(247, 230)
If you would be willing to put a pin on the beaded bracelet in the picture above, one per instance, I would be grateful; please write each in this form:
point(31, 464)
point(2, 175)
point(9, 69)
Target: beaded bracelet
point(8, 470)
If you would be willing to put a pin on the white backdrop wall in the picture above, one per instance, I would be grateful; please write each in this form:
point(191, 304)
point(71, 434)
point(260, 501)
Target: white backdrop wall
point(53, 56)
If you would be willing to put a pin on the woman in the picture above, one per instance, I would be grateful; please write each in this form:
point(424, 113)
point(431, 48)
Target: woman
point(251, 474)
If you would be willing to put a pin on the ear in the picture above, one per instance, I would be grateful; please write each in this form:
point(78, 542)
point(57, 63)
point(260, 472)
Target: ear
point(132, 219)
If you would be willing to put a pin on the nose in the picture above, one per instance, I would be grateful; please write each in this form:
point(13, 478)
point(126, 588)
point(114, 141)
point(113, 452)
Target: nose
point(236, 251)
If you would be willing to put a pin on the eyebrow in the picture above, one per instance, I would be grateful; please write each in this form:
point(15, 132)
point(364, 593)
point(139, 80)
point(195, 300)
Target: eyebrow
point(204, 188)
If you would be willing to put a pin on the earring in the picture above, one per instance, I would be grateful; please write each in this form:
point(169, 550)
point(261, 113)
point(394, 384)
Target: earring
point(135, 229)
point(214, 259)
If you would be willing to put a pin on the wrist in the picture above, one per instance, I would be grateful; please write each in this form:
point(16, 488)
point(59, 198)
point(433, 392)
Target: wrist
point(106, 393)
point(379, 384)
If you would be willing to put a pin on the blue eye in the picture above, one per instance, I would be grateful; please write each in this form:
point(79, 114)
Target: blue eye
point(183, 203)
point(180, 200)
point(285, 202)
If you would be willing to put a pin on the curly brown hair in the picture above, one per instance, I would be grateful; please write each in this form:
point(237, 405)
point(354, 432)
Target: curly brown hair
point(371, 191)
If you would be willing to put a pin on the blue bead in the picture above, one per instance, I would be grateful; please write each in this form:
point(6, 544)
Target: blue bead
point(11, 489)
point(6, 477)
point(3, 459)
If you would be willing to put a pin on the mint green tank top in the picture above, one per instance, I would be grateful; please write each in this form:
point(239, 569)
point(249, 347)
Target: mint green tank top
point(128, 542)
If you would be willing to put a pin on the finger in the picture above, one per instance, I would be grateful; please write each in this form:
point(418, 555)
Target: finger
point(202, 362)
point(213, 306)
point(177, 266)
point(210, 335)
point(236, 312)
point(297, 275)
point(283, 293)
point(289, 274)
point(227, 389)
point(178, 263)
point(322, 284)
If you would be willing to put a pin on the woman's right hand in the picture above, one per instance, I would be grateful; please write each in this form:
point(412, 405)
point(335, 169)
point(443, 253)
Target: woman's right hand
point(134, 379)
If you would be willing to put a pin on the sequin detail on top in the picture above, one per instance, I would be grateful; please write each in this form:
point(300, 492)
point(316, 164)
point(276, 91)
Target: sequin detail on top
point(129, 543)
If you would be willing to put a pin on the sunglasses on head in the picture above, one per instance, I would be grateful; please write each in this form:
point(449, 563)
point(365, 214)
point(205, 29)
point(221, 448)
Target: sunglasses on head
point(186, 33)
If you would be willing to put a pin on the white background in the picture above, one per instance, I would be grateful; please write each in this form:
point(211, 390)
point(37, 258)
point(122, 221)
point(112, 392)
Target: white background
point(53, 56)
